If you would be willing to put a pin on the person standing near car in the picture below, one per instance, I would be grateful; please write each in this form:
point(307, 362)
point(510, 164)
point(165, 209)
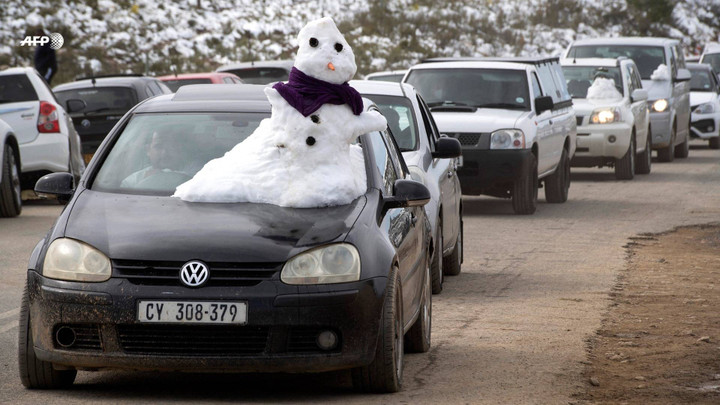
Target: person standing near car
point(45, 60)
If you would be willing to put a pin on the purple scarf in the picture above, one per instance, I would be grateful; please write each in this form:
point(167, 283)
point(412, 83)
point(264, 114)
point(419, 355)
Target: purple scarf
point(306, 94)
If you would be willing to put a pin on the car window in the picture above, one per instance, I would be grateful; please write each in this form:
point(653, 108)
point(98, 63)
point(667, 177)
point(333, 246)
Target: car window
point(701, 80)
point(537, 91)
point(155, 153)
point(637, 80)
point(399, 113)
point(647, 58)
point(175, 84)
point(16, 88)
point(673, 62)
point(430, 128)
point(383, 163)
point(394, 77)
point(100, 99)
point(485, 88)
point(580, 78)
point(627, 76)
point(712, 59)
point(228, 80)
point(260, 75)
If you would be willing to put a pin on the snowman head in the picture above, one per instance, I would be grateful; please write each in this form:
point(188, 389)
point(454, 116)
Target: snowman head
point(323, 53)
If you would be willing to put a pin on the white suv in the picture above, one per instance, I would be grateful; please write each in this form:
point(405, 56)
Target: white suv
point(514, 119)
point(612, 115)
point(44, 140)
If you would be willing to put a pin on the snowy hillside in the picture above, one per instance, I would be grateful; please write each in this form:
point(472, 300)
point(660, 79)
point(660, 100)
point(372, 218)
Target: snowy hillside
point(198, 35)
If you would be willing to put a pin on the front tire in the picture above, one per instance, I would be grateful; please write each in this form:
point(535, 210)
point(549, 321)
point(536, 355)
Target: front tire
point(453, 263)
point(683, 150)
point(417, 339)
point(436, 268)
point(557, 184)
point(384, 374)
point(10, 191)
point(667, 154)
point(625, 166)
point(644, 159)
point(36, 373)
point(525, 190)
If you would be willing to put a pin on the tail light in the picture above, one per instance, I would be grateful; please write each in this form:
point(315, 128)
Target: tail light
point(49, 118)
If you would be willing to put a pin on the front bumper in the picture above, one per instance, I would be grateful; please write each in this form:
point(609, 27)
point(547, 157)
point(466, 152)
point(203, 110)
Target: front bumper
point(661, 127)
point(705, 126)
point(594, 141)
point(492, 171)
point(279, 336)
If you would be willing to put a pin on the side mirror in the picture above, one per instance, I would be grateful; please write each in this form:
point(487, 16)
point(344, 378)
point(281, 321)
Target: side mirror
point(408, 193)
point(683, 75)
point(639, 95)
point(543, 104)
point(75, 105)
point(447, 148)
point(58, 184)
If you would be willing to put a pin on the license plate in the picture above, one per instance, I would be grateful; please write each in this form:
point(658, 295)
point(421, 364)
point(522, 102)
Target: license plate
point(205, 312)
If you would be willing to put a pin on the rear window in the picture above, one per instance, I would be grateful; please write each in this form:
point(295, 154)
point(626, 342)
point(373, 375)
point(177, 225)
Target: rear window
point(155, 153)
point(482, 88)
point(261, 75)
point(16, 88)
point(647, 58)
point(712, 59)
point(580, 78)
point(395, 78)
point(174, 85)
point(100, 99)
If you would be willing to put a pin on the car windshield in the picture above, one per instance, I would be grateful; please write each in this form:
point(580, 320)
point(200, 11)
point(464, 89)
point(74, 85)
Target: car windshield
point(647, 58)
point(261, 75)
point(401, 119)
point(700, 80)
point(175, 84)
point(155, 153)
point(481, 88)
point(580, 78)
point(99, 99)
point(712, 59)
point(395, 77)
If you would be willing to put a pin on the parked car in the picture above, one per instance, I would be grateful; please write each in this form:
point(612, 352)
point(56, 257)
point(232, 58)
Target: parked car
point(133, 278)
point(613, 123)
point(432, 160)
point(388, 76)
point(261, 72)
point(705, 104)
point(10, 192)
point(97, 103)
point(711, 56)
point(662, 68)
point(514, 119)
point(174, 82)
point(44, 138)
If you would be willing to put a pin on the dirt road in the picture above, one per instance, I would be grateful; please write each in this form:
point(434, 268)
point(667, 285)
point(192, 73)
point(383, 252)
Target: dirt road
point(512, 328)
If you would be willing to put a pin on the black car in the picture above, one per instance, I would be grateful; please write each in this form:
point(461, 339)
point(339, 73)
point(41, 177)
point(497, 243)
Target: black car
point(130, 277)
point(97, 103)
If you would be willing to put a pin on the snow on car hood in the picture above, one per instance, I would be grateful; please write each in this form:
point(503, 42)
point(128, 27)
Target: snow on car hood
point(584, 106)
point(658, 89)
point(482, 120)
point(701, 97)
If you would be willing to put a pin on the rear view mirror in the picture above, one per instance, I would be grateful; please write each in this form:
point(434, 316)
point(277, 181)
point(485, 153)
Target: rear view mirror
point(75, 105)
point(683, 75)
point(639, 95)
point(57, 184)
point(408, 193)
point(543, 103)
point(447, 148)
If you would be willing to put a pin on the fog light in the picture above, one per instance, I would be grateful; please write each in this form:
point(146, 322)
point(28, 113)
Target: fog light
point(327, 340)
point(612, 139)
point(65, 336)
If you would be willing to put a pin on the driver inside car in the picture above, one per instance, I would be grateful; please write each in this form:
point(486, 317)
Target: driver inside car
point(167, 161)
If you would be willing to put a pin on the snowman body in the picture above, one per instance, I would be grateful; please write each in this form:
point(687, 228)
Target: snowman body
point(303, 155)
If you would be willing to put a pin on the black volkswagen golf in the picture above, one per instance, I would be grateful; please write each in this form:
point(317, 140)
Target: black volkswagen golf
point(130, 277)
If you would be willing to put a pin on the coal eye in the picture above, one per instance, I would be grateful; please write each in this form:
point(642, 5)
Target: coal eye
point(338, 47)
point(310, 141)
point(315, 119)
point(314, 42)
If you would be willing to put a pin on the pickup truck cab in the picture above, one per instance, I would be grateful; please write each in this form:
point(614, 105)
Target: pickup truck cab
point(514, 119)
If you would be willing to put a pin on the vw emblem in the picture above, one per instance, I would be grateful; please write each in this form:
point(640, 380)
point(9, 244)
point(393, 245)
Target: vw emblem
point(85, 123)
point(194, 274)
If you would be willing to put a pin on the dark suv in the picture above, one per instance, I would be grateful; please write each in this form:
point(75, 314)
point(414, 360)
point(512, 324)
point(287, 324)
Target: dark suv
point(97, 103)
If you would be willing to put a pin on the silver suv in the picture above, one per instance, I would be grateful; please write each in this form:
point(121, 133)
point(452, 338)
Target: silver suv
point(664, 75)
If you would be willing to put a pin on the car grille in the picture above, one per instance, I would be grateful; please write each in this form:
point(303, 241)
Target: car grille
point(87, 337)
point(468, 139)
point(181, 340)
point(304, 340)
point(580, 119)
point(168, 273)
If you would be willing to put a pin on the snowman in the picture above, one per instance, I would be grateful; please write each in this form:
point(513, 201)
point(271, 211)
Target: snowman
point(303, 155)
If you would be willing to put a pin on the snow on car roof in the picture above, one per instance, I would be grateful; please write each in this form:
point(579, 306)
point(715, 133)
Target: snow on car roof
point(624, 41)
point(471, 64)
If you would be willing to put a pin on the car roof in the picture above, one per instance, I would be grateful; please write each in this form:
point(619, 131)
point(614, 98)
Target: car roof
point(286, 64)
point(531, 60)
point(467, 64)
point(604, 62)
point(17, 70)
point(205, 75)
point(210, 98)
point(651, 41)
point(711, 48)
point(386, 73)
point(382, 88)
point(114, 81)
point(699, 66)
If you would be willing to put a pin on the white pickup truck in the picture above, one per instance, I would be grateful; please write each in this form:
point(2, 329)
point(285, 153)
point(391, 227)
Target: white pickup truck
point(514, 119)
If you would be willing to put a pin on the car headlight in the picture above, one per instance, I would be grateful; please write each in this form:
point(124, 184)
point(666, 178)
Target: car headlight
point(605, 116)
point(68, 259)
point(507, 139)
point(706, 108)
point(337, 263)
point(659, 105)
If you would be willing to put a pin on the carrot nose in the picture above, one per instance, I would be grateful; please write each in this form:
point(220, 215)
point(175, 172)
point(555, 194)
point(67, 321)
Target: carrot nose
point(331, 66)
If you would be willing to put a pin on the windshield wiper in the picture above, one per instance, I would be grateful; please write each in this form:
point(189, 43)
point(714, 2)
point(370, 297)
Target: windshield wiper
point(500, 105)
point(97, 110)
point(446, 103)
